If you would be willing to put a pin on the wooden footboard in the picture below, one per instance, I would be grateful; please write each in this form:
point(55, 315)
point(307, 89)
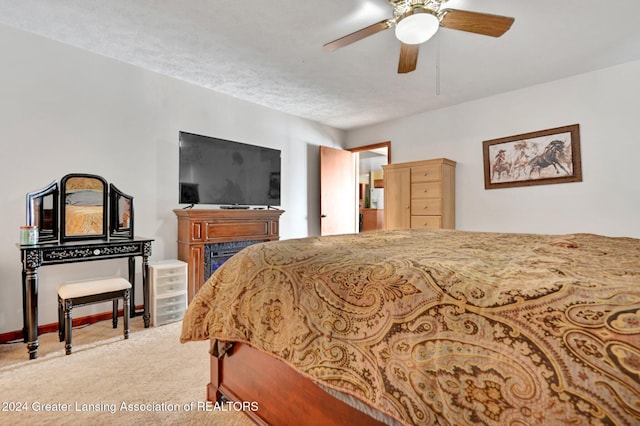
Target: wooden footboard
point(281, 394)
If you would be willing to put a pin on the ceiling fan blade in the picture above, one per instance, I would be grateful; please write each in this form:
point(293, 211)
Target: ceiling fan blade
point(408, 58)
point(358, 35)
point(474, 22)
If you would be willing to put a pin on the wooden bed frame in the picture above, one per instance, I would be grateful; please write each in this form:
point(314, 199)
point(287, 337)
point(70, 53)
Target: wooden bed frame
point(283, 395)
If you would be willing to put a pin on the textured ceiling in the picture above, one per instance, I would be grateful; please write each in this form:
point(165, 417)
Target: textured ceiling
point(270, 52)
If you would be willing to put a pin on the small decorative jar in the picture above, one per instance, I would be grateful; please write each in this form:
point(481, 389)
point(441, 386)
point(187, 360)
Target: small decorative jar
point(28, 235)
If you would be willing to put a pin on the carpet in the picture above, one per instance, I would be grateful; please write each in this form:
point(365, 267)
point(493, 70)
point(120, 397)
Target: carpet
point(151, 378)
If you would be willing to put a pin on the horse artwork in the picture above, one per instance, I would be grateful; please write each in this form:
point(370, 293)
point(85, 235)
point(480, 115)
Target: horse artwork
point(547, 156)
point(552, 156)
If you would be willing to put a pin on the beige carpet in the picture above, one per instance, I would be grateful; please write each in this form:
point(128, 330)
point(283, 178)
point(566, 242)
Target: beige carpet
point(149, 379)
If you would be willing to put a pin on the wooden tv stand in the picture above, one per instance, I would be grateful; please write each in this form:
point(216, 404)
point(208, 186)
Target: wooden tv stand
point(200, 229)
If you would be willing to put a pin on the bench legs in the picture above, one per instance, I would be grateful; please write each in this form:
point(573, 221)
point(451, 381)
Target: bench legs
point(65, 318)
point(114, 317)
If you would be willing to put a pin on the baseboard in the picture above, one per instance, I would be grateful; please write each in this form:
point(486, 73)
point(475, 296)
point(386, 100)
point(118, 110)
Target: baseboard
point(50, 328)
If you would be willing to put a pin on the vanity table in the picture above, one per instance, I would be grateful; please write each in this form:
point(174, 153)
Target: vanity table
point(80, 219)
point(39, 255)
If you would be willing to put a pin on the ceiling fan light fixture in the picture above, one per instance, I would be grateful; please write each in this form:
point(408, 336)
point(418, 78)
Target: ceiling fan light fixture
point(417, 26)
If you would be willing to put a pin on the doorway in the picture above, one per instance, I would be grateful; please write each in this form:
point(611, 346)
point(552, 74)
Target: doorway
point(345, 203)
point(370, 184)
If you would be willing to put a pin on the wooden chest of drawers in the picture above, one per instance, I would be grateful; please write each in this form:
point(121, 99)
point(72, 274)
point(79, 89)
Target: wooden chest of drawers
point(420, 194)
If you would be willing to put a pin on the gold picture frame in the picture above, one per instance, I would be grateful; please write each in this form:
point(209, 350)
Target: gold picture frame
point(537, 158)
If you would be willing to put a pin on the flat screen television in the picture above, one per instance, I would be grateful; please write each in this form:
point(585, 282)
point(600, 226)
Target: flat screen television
point(228, 173)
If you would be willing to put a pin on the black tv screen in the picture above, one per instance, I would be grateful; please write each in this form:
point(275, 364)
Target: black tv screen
point(218, 171)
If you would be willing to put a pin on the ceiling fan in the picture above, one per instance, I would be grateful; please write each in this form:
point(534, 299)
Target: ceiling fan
point(416, 21)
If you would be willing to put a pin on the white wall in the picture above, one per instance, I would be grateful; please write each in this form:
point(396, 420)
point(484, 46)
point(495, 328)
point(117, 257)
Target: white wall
point(605, 103)
point(64, 110)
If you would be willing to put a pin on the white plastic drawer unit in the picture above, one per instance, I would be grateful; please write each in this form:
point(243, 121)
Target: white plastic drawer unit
point(169, 284)
point(168, 291)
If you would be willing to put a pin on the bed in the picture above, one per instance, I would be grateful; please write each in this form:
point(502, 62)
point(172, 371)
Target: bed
point(422, 327)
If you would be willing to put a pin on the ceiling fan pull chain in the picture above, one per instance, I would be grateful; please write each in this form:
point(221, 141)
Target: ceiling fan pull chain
point(438, 65)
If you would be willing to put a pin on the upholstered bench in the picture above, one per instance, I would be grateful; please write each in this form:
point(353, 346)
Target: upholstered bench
point(81, 293)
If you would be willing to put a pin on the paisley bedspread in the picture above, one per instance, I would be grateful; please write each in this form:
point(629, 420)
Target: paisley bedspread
point(444, 327)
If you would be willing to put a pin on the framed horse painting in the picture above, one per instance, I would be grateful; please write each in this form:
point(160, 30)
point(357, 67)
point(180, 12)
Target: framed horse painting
point(537, 158)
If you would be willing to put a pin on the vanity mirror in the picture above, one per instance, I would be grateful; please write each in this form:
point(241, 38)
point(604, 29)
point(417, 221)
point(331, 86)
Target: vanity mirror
point(121, 211)
point(84, 207)
point(42, 212)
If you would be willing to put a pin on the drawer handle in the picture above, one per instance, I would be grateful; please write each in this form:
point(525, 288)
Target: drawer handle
point(425, 207)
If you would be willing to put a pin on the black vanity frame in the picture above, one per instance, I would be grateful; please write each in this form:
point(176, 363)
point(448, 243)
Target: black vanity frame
point(121, 213)
point(47, 209)
point(69, 188)
point(105, 216)
point(42, 212)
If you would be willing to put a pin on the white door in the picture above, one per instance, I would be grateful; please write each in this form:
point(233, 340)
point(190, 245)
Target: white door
point(337, 192)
